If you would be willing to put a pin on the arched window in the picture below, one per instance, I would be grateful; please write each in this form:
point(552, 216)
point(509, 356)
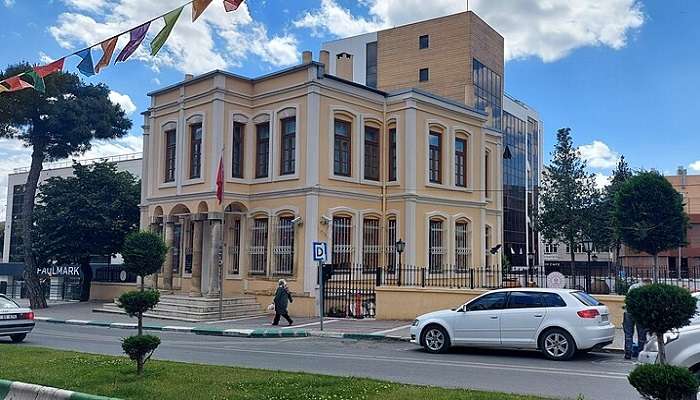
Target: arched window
point(283, 249)
point(436, 245)
point(371, 248)
point(288, 150)
point(392, 156)
point(435, 156)
point(463, 248)
point(342, 147)
point(343, 249)
point(196, 150)
point(258, 245)
point(391, 238)
point(238, 149)
point(372, 153)
point(170, 154)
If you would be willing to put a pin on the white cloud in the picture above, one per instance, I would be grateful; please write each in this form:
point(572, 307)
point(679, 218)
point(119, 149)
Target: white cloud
point(547, 29)
point(695, 166)
point(599, 155)
point(217, 40)
point(87, 5)
point(8, 3)
point(123, 100)
point(601, 180)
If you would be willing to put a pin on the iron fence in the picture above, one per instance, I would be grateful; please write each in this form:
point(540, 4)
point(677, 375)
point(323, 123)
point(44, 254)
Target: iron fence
point(63, 291)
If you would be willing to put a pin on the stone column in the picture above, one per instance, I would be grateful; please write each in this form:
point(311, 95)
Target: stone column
point(196, 290)
point(216, 254)
point(168, 264)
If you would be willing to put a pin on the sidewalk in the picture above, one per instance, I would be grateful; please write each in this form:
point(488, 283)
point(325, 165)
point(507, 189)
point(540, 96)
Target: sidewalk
point(259, 326)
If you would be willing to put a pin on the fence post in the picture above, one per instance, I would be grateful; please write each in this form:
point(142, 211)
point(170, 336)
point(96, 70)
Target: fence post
point(379, 276)
point(422, 277)
point(471, 278)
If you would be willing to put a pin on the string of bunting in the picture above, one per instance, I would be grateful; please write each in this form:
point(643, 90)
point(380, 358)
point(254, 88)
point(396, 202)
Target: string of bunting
point(35, 78)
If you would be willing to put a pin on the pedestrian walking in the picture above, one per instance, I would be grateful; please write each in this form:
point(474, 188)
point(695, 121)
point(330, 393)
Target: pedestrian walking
point(281, 302)
point(629, 325)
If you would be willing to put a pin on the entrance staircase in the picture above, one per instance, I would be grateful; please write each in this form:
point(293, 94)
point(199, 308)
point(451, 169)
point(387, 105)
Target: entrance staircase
point(195, 309)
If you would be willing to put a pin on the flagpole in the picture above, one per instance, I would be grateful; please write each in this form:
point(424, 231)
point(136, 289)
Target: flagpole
point(223, 222)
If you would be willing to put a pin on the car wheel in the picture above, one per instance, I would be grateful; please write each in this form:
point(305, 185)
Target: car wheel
point(557, 344)
point(436, 339)
point(18, 337)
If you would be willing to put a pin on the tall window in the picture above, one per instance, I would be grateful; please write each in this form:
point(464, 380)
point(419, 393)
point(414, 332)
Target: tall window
point(461, 162)
point(262, 149)
point(423, 75)
point(392, 155)
point(289, 133)
point(436, 247)
point(258, 247)
point(551, 248)
point(487, 243)
point(177, 247)
point(189, 245)
point(342, 148)
point(370, 244)
point(234, 247)
point(342, 241)
point(371, 66)
point(195, 151)
point(488, 91)
point(170, 152)
point(391, 245)
point(463, 249)
point(284, 249)
point(424, 42)
point(487, 174)
point(435, 157)
point(238, 149)
point(371, 153)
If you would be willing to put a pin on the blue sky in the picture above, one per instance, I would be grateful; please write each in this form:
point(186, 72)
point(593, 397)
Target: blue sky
point(621, 73)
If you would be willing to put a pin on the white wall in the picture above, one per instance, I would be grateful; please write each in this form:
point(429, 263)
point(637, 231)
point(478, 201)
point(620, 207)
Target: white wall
point(355, 45)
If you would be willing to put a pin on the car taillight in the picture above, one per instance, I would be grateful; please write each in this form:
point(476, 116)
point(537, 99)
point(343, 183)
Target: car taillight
point(588, 313)
point(28, 315)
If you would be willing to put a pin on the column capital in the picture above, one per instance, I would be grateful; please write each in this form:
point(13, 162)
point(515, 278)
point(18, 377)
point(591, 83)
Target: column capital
point(215, 216)
point(199, 217)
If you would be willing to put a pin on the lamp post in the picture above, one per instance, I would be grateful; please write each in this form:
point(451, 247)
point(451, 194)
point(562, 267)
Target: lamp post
point(400, 247)
point(588, 245)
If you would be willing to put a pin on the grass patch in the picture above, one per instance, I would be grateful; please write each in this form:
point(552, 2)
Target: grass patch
point(115, 377)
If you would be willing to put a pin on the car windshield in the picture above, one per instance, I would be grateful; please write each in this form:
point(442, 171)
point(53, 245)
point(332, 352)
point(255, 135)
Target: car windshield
point(7, 303)
point(586, 299)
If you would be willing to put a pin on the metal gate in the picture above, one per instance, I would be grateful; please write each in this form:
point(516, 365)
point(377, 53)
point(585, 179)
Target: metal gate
point(349, 291)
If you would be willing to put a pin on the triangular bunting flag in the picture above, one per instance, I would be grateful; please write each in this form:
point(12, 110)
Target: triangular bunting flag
point(170, 20)
point(3, 88)
point(14, 83)
point(86, 66)
point(232, 5)
point(49, 69)
point(108, 47)
point(198, 7)
point(39, 85)
point(136, 37)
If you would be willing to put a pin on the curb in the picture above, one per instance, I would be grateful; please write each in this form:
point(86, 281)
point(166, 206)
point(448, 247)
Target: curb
point(21, 391)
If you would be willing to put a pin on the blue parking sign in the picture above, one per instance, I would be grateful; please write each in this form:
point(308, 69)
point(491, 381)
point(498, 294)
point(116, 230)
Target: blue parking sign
point(320, 250)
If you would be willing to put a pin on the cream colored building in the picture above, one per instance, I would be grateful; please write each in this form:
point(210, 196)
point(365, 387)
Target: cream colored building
point(311, 157)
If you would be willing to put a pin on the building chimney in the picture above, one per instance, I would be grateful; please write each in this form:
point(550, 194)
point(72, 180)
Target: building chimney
point(188, 77)
point(306, 57)
point(343, 66)
point(324, 58)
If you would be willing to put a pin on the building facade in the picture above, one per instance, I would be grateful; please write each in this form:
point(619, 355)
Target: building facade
point(307, 157)
point(459, 57)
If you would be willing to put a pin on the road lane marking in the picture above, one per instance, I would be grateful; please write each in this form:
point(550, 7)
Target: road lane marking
point(398, 328)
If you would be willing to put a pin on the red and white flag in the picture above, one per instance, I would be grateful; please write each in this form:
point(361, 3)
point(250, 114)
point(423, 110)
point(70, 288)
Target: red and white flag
point(232, 5)
point(220, 181)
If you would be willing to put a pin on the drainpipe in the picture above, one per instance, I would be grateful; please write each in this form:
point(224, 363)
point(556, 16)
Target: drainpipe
point(382, 234)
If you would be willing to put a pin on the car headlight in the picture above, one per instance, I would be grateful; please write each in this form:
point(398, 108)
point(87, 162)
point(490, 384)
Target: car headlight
point(415, 322)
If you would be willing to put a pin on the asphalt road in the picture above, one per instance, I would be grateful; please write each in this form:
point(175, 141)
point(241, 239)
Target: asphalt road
point(597, 376)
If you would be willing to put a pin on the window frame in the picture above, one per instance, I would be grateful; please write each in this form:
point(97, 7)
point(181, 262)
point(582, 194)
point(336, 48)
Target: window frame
point(435, 166)
point(466, 307)
point(238, 146)
point(284, 238)
point(262, 148)
point(538, 295)
point(422, 77)
point(393, 159)
point(342, 259)
point(467, 245)
point(436, 260)
point(288, 145)
point(464, 157)
point(170, 168)
point(255, 243)
point(196, 150)
point(423, 42)
point(342, 145)
point(372, 154)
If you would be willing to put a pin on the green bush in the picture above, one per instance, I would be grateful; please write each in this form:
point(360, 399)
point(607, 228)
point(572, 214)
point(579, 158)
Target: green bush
point(664, 382)
point(622, 286)
point(661, 308)
point(140, 348)
point(144, 253)
point(136, 302)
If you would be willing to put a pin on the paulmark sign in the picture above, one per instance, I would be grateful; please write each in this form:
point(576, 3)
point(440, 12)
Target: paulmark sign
point(59, 270)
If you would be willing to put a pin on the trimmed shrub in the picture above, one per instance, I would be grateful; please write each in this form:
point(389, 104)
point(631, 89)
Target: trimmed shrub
point(135, 302)
point(664, 382)
point(140, 348)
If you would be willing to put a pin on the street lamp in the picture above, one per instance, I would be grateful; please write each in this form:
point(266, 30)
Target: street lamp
point(400, 247)
point(588, 246)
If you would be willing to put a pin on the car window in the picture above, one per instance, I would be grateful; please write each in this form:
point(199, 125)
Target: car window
point(552, 300)
point(524, 300)
point(493, 301)
point(586, 299)
point(6, 303)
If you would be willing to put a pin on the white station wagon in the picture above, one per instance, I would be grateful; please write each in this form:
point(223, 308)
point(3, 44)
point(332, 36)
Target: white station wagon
point(15, 321)
point(558, 322)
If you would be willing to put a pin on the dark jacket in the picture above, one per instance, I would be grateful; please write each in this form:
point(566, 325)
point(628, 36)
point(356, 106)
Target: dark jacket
point(282, 299)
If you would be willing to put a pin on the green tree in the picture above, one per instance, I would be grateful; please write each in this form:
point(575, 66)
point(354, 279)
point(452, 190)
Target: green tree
point(87, 214)
point(620, 175)
point(56, 124)
point(144, 254)
point(649, 215)
point(567, 195)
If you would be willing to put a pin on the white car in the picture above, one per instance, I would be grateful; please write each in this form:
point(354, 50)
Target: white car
point(15, 321)
point(558, 322)
point(682, 345)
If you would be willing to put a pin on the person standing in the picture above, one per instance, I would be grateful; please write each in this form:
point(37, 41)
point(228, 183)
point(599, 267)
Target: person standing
point(281, 301)
point(629, 324)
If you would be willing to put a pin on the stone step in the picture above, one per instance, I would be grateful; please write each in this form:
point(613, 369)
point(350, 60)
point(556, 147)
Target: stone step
point(210, 309)
point(186, 315)
point(205, 301)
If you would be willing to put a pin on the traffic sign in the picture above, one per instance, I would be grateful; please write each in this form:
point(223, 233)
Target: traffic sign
point(320, 251)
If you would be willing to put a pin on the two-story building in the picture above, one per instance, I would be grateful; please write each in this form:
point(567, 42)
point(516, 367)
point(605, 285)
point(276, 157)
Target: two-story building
point(309, 156)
